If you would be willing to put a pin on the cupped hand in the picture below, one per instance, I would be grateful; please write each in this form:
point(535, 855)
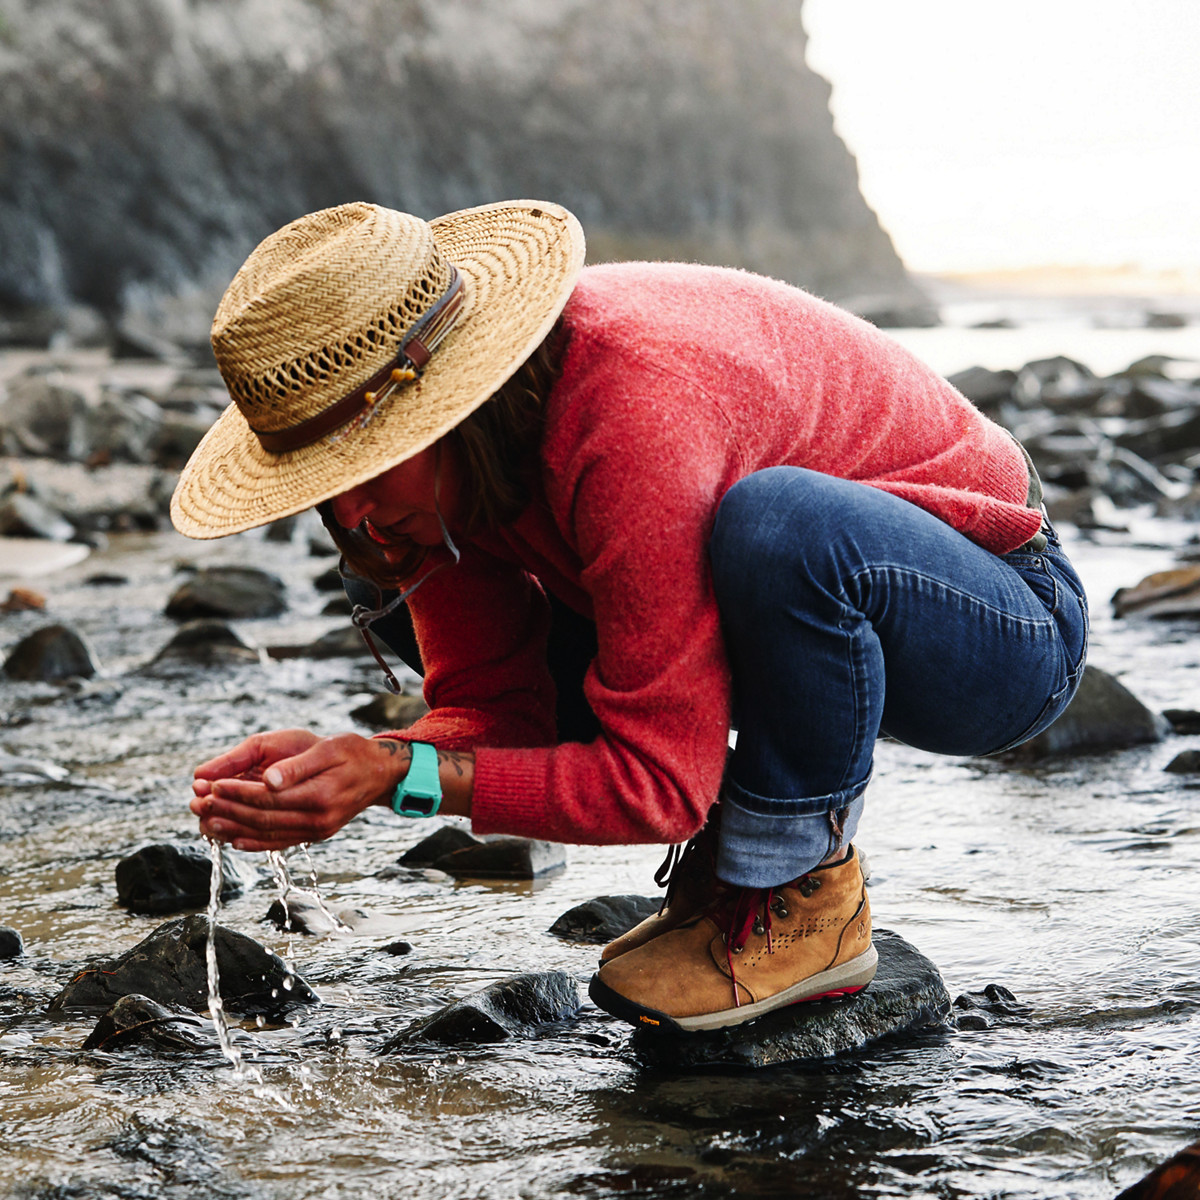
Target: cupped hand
point(289, 786)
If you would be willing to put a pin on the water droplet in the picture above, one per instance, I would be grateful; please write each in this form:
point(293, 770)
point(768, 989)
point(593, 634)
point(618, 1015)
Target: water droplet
point(260, 1020)
point(289, 982)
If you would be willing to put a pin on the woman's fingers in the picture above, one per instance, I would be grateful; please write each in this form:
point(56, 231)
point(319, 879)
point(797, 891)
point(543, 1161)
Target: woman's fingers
point(255, 753)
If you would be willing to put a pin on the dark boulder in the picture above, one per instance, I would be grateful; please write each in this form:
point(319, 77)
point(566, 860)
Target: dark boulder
point(1186, 762)
point(906, 994)
point(389, 711)
point(1182, 720)
point(50, 655)
point(442, 841)
point(206, 642)
point(11, 945)
point(1104, 715)
point(166, 878)
point(139, 1021)
point(344, 642)
point(516, 1007)
point(228, 592)
point(170, 966)
point(986, 389)
point(605, 918)
point(504, 858)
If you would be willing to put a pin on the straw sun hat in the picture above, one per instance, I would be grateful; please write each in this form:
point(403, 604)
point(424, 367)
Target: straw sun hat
point(357, 336)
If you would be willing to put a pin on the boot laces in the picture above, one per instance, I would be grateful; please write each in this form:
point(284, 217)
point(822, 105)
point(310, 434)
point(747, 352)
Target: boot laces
point(747, 910)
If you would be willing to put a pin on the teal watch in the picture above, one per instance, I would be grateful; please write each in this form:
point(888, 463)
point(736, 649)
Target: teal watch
point(421, 785)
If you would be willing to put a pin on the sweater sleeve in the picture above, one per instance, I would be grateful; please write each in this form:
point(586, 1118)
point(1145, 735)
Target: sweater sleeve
point(635, 493)
point(481, 626)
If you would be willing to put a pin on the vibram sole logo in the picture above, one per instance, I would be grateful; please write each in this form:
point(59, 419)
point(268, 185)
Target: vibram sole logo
point(648, 1020)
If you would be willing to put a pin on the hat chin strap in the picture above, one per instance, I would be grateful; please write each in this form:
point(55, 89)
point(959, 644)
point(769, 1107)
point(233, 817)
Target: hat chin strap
point(415, 352)
point(362, 617)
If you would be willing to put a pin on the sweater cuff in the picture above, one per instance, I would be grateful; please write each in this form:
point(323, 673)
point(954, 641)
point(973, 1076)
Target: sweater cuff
point(509, 795)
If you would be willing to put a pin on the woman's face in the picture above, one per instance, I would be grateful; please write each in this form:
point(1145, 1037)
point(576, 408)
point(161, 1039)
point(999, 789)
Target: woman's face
point(401, 504)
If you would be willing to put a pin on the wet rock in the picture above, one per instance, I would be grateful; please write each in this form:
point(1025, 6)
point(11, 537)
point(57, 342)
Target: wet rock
point(15, 768)
point(984, 388)
point(1182, 720)
point(343, 642)
point(1176, 1179)
point(235, 592)
point(1165, 320)
point(605, 918)
point(442, 841)
point(123, 427)
point(106, 579)
point(504, 858)
point(1186, 762)
point(302, 914)
point(137, 1020)
point(329, 580)
point(11, 944)
point(389, 711)
point(169, 966)
point(49, 655)
point(995, 1005)
point(515, 1007)
point(1060, 372)
point(906, 994)
point(282, 530)
point(337, 606)
point(1173, 593)
point(397, 948)
point(26, 516)
point(167, 878)
point(178, 435)
point(42, 417)
point(1104, 715)
point(1154, 437)
point(206, 642)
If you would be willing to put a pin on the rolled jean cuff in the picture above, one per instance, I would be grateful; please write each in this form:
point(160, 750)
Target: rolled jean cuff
point(757, 850)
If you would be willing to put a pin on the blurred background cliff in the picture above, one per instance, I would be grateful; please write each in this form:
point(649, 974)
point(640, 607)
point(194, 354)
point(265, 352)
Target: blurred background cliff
point(147, 145)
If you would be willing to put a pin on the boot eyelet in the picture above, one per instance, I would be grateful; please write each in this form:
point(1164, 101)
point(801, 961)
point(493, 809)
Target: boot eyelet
point(759, 928)
point(780, 911)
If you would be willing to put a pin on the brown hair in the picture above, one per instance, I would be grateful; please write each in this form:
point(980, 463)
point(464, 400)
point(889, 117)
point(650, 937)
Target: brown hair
point(497, 446)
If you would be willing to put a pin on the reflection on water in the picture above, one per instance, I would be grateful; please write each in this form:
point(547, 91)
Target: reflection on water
point(1073, 886)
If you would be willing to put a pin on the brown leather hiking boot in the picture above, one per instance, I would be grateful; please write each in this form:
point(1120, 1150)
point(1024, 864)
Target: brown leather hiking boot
point(752, 951)
point(689, 875)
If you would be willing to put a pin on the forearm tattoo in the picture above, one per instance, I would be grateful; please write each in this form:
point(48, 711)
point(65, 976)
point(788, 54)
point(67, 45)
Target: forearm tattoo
point(458, 760)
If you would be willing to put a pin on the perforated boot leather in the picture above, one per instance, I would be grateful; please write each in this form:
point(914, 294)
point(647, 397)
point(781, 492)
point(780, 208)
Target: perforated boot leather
point(752, 950)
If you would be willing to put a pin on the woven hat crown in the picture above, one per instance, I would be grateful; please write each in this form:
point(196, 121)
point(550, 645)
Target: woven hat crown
point(320, 306)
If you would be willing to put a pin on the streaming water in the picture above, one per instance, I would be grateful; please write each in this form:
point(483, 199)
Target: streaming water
point(1073, 885)
point(216, 1006)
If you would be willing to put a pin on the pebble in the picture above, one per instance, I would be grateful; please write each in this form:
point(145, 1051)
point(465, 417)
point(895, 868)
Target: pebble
point(11, 943)
point(206, 642)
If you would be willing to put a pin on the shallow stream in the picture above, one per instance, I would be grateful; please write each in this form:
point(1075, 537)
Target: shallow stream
point(1074, 886)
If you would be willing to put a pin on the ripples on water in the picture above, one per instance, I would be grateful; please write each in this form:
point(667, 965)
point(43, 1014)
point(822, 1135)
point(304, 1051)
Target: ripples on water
point(1073, 886)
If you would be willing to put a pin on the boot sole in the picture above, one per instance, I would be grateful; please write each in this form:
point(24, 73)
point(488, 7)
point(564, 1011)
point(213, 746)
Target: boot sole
point(843, 980)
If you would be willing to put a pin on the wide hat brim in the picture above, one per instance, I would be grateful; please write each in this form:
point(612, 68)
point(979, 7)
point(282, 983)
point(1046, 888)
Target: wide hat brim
point(519, 261)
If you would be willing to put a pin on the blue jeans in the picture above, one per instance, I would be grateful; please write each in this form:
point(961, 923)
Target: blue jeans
point(848, 612)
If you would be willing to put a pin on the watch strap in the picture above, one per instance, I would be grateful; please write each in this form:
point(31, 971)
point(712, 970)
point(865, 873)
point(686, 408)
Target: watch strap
point(419, 793)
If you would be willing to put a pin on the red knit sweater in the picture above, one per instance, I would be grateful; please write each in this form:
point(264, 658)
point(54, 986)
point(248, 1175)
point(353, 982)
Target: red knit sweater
point(678, 380)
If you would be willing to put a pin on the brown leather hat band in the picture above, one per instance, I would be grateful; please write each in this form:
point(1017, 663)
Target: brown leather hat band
point(415, 352)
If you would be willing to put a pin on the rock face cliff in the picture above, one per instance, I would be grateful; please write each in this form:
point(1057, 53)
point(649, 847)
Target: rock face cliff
point(147, 145)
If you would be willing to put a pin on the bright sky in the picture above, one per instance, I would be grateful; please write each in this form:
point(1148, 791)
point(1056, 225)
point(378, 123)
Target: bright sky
point(1014, 133)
